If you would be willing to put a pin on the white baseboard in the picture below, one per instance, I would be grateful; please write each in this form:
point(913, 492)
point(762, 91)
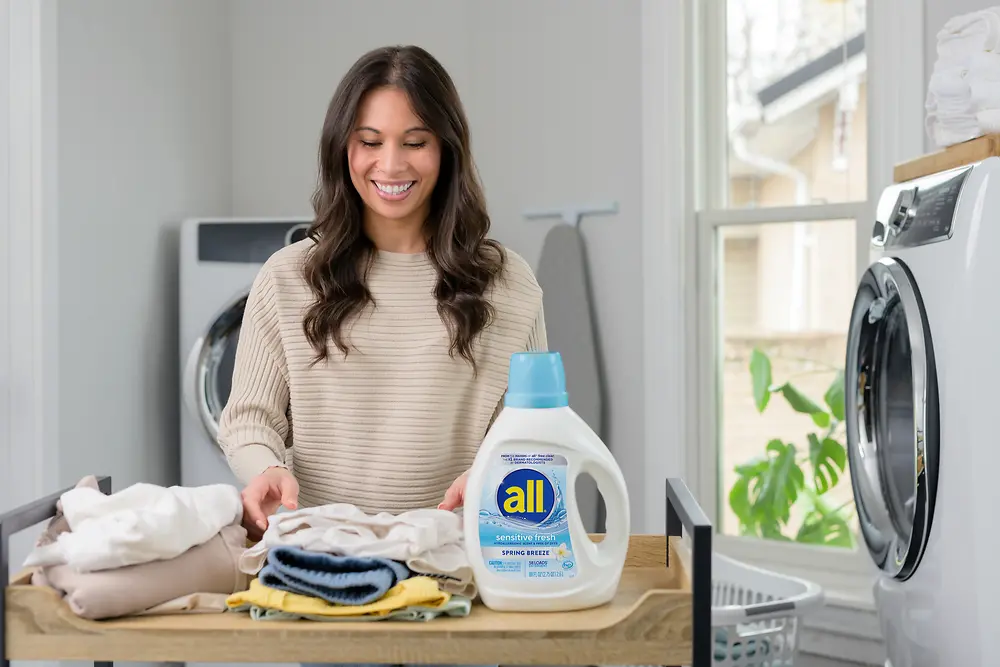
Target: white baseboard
point(849, 636)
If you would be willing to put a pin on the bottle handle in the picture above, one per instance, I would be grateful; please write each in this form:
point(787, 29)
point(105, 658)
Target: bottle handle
point(611, 486)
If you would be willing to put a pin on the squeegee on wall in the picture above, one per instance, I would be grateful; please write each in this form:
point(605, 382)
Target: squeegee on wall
point(571, 327)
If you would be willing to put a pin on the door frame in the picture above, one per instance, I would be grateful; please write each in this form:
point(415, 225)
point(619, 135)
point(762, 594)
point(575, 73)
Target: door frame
point(29, 344)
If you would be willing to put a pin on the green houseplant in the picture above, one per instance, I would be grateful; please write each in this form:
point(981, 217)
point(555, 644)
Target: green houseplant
point(789, 474)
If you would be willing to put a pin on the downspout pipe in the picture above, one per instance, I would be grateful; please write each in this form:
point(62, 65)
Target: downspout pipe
point(738, 142)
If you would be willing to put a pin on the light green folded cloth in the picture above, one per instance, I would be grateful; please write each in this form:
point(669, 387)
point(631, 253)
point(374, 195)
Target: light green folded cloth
point(457, 606)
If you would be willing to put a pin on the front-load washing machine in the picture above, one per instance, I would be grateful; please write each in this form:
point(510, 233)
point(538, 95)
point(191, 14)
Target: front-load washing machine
point(219, 259)
point(922, 367)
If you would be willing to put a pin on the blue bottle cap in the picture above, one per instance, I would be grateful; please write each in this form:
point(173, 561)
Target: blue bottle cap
point(536, 380)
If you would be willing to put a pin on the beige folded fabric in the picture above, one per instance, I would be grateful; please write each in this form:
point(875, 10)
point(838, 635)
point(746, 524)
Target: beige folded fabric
point(184, 584)
point(196, 581)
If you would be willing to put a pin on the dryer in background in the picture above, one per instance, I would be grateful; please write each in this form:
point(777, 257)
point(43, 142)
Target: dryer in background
point(219, 259)
point(922, 370)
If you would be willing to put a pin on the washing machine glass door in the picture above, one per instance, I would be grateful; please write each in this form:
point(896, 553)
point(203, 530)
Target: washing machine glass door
point(209, 371)
point(892, 417)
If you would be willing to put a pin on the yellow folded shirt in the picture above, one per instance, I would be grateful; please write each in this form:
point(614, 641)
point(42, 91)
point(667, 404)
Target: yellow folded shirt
point(421, 591)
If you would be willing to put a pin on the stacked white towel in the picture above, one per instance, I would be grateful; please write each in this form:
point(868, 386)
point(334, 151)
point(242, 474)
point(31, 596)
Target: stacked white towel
point(963, 94)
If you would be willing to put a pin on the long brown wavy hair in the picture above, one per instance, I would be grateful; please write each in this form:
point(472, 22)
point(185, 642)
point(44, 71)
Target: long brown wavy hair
point(467, 262)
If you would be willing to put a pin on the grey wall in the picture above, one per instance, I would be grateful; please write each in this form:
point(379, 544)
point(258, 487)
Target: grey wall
point(143, 139)
point(555, 108)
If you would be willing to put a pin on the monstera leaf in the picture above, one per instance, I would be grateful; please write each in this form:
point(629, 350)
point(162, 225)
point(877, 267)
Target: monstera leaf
point(834, 396)
point(828, 459)
point(768, 486)
point(760, 376)
point(763, 387)
point(802, 403)
point(824, 526)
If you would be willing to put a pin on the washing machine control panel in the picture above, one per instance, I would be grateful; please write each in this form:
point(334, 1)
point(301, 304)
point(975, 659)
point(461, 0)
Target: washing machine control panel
point(919, 212)
point(247, 241)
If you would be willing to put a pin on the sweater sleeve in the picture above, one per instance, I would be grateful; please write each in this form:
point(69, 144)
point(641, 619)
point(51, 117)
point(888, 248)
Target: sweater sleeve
point(537, 342)
point(254, 426)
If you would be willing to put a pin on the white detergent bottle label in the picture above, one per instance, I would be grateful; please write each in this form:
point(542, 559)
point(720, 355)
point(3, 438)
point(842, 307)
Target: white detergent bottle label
point(523, 523)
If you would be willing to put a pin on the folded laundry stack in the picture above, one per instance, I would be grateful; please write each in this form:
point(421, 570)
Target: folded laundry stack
point(159, 550)
point(335, 562)
point(144, 550)
point(963, 94)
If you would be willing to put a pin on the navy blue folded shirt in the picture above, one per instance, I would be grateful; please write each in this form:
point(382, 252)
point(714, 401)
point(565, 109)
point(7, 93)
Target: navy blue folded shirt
point(344, 580)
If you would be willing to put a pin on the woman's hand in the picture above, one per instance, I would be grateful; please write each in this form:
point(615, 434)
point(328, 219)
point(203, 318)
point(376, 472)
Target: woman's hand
point(455, 496)
point(264, 495)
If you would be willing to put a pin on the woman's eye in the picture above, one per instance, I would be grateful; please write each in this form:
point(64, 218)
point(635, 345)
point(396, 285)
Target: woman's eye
point(376, 144)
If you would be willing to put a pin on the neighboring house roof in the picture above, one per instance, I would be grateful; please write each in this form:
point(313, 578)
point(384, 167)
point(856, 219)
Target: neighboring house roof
point(789, 107)
point(811, 70)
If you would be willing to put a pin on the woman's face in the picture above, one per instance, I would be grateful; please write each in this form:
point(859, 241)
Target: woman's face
point(393, 159)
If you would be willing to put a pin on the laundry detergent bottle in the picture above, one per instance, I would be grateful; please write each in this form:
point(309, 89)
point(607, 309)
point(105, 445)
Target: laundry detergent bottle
point(524, 537)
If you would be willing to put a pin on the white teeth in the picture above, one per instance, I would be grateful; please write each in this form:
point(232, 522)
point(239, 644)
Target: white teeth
point(393, 189)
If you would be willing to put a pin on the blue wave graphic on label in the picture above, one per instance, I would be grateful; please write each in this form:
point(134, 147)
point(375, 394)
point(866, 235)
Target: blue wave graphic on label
point(523, 524)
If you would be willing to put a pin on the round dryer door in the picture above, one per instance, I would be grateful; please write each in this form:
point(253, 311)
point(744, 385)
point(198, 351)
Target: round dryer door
point(209, 372)
point(892, 417)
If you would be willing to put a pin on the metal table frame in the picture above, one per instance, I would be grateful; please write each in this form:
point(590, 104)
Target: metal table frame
point(683, 512)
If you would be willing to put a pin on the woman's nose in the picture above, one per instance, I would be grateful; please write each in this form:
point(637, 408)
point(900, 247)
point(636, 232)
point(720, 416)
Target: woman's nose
point(392, 159)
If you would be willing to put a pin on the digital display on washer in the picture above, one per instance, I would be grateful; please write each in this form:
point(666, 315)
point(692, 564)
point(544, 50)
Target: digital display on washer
point(933, 210)
point(250, 241)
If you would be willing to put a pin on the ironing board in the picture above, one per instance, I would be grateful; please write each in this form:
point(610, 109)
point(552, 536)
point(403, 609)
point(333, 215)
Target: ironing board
point(569, 324)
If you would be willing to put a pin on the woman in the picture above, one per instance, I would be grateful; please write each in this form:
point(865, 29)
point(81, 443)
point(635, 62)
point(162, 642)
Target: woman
point(381, 341)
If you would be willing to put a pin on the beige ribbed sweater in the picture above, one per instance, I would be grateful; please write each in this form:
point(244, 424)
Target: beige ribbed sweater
point(390, 427)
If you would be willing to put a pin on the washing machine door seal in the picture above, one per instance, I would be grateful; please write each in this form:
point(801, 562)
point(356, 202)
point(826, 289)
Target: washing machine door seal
point(892, 417)
point(209, 367)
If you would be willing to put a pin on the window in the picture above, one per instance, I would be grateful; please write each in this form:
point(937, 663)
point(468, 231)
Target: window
point(782, 235)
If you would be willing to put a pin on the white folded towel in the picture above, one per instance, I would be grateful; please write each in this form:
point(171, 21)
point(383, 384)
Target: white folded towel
point(965, 82)
point(138, 524)
point(970, 33)
point(984, 94)
point(989, 121)
point(950, 115)
point(983, 66)
point(949, 134)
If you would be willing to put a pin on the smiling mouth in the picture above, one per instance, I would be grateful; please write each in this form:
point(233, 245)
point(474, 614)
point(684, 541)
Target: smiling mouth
point(393, 189)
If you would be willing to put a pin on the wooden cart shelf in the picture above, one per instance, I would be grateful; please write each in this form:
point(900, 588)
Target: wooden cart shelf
point(951, 157)
point(659, 616)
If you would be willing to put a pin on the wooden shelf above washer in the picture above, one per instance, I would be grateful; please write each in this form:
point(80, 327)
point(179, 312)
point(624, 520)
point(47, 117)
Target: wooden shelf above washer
point(958, 155)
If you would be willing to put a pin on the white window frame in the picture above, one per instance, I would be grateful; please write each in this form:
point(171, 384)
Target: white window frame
point(677, 246)
point(29, 347)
